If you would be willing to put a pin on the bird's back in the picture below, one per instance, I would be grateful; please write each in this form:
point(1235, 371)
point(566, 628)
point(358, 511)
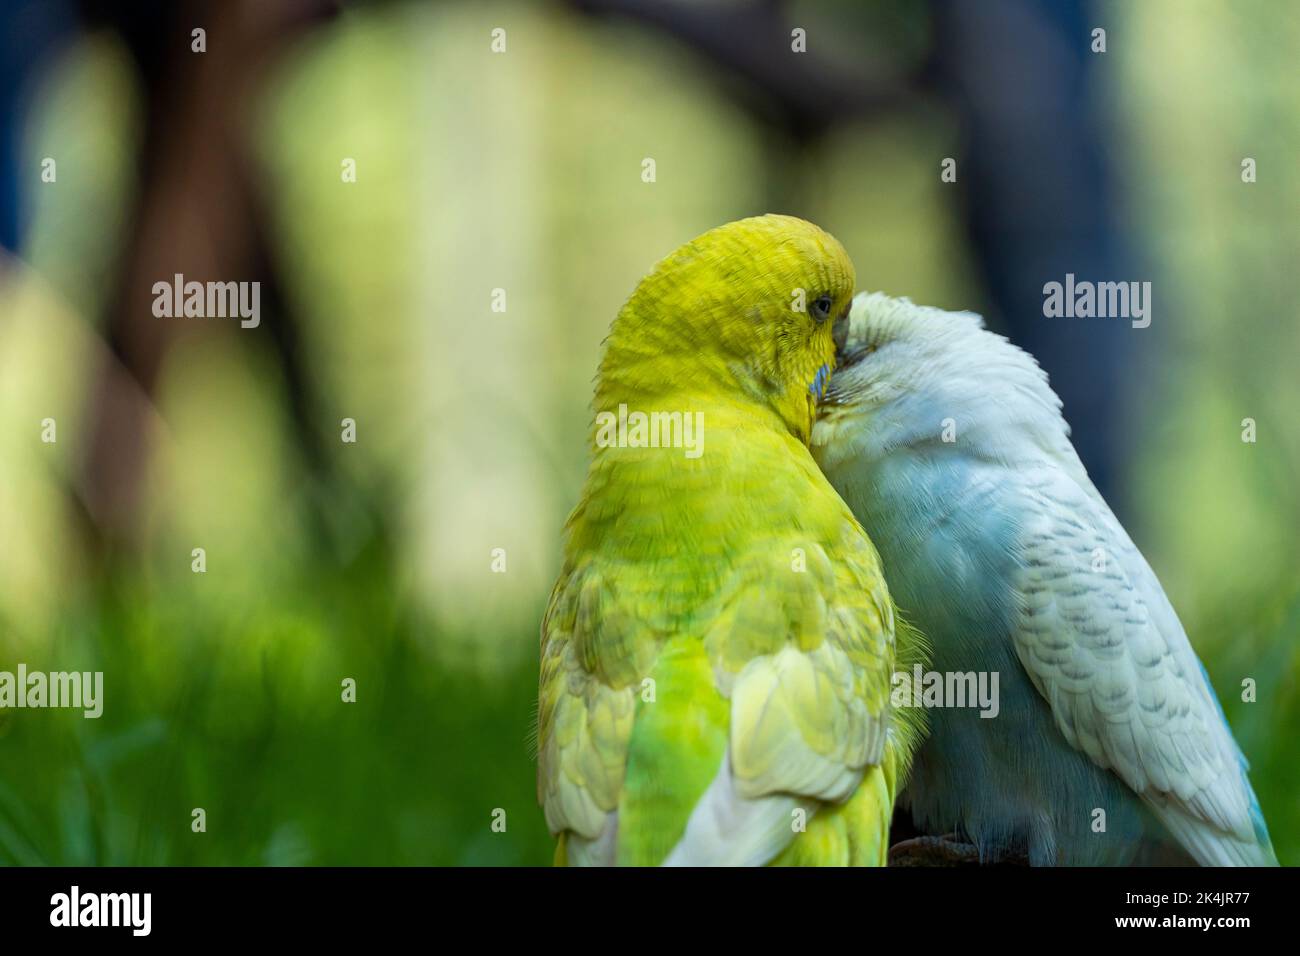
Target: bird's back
point(720, 580)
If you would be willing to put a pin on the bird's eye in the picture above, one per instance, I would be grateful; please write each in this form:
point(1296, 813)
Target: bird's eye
point(821, 308)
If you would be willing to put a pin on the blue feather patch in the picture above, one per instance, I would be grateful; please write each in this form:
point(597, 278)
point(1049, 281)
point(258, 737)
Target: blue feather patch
point(818, 386)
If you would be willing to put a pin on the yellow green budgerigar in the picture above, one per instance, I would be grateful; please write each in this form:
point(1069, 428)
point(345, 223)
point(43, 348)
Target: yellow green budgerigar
point(717, 652)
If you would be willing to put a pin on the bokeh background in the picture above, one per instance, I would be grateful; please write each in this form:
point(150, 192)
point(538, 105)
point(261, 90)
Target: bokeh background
point(521, 170)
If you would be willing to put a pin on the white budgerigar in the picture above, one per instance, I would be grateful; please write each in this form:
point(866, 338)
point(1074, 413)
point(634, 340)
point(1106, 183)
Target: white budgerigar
point(1108, 745)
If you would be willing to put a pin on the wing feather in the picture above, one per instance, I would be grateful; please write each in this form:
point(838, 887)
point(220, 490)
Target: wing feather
point(1103, 646)
point(797, 654)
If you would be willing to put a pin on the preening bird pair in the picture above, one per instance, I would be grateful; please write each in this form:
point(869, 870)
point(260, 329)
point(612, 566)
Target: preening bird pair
point(883, 486)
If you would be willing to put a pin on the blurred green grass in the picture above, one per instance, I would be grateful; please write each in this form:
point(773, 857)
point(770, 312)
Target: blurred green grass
point(241, 713)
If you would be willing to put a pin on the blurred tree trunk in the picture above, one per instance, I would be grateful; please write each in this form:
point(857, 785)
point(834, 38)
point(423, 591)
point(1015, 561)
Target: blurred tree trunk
point(197, 213)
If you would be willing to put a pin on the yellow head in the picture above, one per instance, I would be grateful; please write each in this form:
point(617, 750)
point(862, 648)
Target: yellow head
point(744, 310)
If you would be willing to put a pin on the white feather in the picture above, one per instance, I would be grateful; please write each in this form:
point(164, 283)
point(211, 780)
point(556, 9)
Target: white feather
point(726, 829)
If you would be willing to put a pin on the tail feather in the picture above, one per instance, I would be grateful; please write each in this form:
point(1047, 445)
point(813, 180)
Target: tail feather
point(1210, 846)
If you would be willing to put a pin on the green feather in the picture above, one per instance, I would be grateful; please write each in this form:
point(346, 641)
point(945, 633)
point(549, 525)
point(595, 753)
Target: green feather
point(676, 748)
